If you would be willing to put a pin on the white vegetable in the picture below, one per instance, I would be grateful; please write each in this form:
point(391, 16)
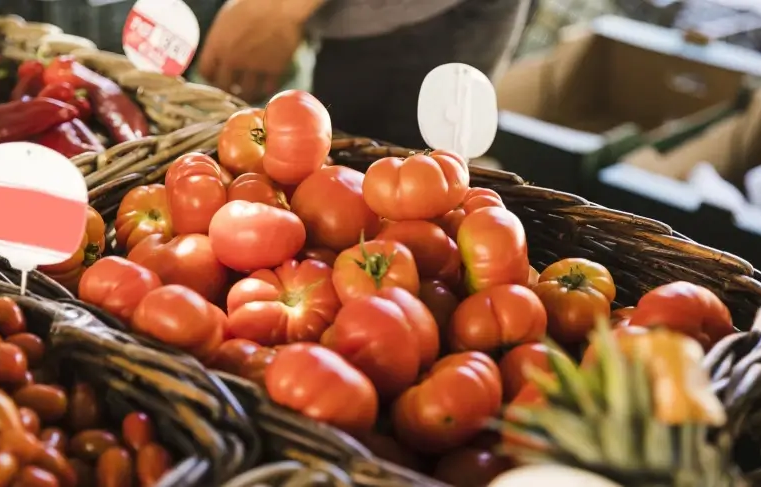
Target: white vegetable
point(544, 475)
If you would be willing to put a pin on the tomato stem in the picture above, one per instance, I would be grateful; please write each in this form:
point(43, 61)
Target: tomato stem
point(259, 136)
point(574, 279)
point(427, 152)
point(375, 265)
point(92, 254)
point(154, 214)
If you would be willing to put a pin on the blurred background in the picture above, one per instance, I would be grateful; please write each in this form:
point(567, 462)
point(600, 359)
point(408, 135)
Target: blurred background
point(648, 106)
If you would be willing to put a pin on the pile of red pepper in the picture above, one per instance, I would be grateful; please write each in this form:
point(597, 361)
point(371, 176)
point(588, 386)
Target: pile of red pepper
point(52, 104)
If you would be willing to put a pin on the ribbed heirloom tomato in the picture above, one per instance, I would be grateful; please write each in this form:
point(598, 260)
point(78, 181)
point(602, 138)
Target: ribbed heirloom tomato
point(239, 151)
point(493, 247)
point(143, 211)
point(251, 236)
point(295, 302)
point(330, 204)
point(195, 192)
point(187, 260)
point(436, 255)
point(497, 317)
point(575, 292)
point(297, 133)
point(321, 385)
point(69, 272)
point(513, 364)
point(475, 198)
point(389, 337)
point(257, 188)
point(423, 186)
point(370, 266)
point(448, 408)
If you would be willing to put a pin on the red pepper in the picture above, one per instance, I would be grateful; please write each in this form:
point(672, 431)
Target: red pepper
point(112, 107)
point(29, 80)
point(70, 139)
point(67, 94)
point(22, 119)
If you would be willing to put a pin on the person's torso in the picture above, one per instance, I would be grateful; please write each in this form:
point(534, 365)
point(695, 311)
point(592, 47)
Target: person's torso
point(365, 18)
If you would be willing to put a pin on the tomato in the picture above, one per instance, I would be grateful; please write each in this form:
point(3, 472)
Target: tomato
point(470, 467)
point(12, 319)
point(433, 416)
point(330, 204)
point(513, 365)
point(533, 277)
point(620, 317)
point(687, 308)
point(257, 188)
point(424, 185)
point(195, 192)
point(497, 317)
point(243, 358)
point(442, 303)
point(475, 198)
point(227, 178)
point(117, 285)
point(294, 303)
point(492, 243)
point(238, 150)
point(251, 236)
point(436, 255)
point(297, 133)
point(370, 266)
point(387, 448)
point(575, 292)
point(176, 315)
point(624, 336)
point(322, 254)
point(389, 337)
point(187, 260)
point(69, 272)
point(143, 211)
point(321, 385)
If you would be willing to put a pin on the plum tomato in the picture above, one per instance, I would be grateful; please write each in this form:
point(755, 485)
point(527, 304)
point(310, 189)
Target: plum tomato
point(143, 211)
point(195, 192)
point(257, 188)
point(475, 198)
point(436, 255)
point(238, 150)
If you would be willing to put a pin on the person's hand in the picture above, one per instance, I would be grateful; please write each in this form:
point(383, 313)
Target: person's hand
point(250, 46)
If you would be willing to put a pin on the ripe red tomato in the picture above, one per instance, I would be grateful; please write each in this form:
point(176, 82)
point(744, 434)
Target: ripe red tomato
point(321, 385)
point(243, 358)
point(69, 272)
point(142, 212)
point(422, 186)
point(239, 151)
point(370, 266)
point(257, 188)
point(475, 198)
point(387, 448)
point(433, 416)
point(576, 292)
point(620, 317)
point(470, 467)
point(322, 254)
point(187, 260)
point(436, 255)
point(533, 277)
point(298, 133)
point(686, 308)
point(389, 337)
point(177, 316)
point(442, 303)
point(251, 236)
point(117, 285)
point(294, 303)
point(513, 364)
point(330, 204)
point(493, 247)
point(195, 192)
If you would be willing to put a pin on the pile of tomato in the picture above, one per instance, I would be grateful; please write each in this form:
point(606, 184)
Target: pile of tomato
point(402, 293)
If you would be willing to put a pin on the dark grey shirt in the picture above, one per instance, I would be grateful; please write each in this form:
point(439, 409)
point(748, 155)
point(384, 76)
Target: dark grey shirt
point(363, 18)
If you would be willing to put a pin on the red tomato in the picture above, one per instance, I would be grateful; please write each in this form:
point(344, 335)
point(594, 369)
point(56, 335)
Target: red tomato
point(475, 198)
point(117, 285)
point(177, 316)
point(433, 416)
point(251, 236)
point(330, 204)
point(187, 260)
point(470, 467)
point(422, 186)
point(227, 178)
point(533, 277)
point(294, 303)
point(442, 302)
point(686, 308)
point(239, 152)
point(493, 246)
point(387, 448)
point(257, 188)
point(497, 317)
point(370, 266)
point(389, 337)
point(195, 192)
point(297, 133)
point(143, 211)
point(514, 362)
point(436, 255)
point(321, 385)
point(576, 292)
point(620, 317)
point(243, 358)
point(322, 254)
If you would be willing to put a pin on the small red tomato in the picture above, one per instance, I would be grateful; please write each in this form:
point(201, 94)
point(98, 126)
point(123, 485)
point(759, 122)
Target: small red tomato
point(195, 192)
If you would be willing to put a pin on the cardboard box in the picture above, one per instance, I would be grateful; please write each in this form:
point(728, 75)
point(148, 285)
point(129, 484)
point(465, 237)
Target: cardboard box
point(607, 88)
point(651, 182)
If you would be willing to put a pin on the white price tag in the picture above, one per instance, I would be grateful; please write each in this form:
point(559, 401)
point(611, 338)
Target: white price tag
point(161, 36)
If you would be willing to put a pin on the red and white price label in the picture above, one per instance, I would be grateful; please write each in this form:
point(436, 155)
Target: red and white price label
point(161, 36)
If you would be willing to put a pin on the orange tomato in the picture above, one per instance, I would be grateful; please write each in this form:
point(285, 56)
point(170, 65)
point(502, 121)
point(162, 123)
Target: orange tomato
point(238, 150)
point(143, 211)
point(475, 198)
point(257, 188)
